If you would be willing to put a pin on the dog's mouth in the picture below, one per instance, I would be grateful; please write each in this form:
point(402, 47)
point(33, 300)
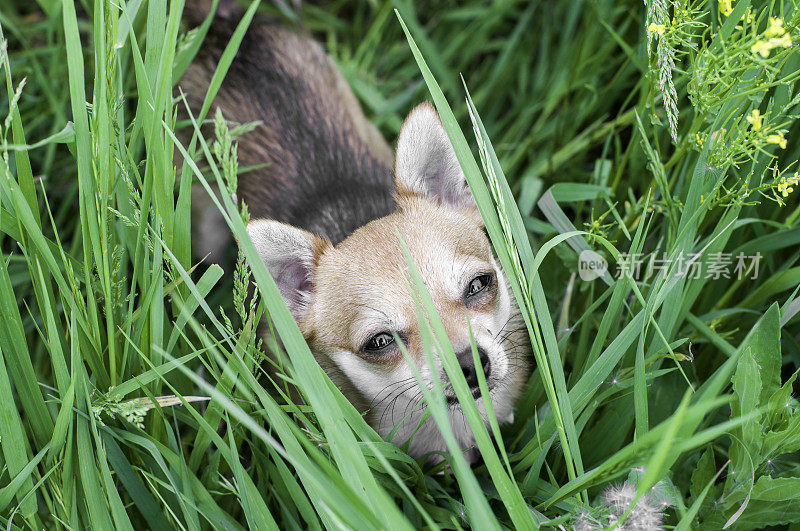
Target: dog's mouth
point(452, 399)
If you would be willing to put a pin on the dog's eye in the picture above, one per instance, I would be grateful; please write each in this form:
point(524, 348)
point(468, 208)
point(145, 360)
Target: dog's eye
point(478, 284)
point(378, 343)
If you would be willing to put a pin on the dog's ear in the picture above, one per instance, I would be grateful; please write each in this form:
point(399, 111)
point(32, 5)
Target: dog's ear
point(291, 256)
point(425, 162)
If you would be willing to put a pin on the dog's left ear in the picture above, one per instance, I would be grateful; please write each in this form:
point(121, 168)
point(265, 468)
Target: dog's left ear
point(425, 162)
point(291, 256)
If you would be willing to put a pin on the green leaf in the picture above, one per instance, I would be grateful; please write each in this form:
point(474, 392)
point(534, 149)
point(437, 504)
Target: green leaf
point(783, 441)
point(142, 498)
point(746, 387)
point(66, 135)
point(14, 446)
point(759, 514)
point(776, 489)
point(765, 341)
point(780, 404)
point(255, 508)
point(20, 368)
point(703, 473)
point(688, 519)
point(572, 192)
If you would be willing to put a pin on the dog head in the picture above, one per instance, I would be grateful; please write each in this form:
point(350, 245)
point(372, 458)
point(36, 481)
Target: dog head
point(353, 301)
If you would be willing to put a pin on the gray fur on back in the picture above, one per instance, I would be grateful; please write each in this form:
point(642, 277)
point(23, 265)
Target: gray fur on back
point(327, 170)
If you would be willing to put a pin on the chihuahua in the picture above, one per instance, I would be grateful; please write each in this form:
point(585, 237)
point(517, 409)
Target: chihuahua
point(326, 209)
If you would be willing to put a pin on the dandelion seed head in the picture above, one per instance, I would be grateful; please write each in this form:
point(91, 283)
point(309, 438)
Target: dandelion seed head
point(648, 512)
point(619, 497)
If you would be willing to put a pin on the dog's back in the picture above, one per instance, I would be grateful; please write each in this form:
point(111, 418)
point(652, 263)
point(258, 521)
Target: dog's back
point(327, 168)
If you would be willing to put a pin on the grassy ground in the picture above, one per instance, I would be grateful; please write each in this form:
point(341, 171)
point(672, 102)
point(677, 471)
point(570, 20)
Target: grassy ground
point(130, 389)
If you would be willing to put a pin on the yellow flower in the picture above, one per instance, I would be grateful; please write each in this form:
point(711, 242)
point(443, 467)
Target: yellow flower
point(755, 119)
point(794, 180)
point(775, 28)
point(784, 42)
point(762, 48)
point(785, 184)
point(725, 7)
point(656, 28)
point(777, 138)
point(699, 140)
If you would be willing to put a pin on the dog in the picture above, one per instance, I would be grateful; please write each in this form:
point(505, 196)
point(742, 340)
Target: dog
point(327, 206)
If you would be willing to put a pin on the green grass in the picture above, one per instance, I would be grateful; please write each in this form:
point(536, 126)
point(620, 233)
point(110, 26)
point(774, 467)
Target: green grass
point(131, 389)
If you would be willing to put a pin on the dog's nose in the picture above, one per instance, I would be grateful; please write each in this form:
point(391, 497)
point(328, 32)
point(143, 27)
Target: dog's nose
point(468, 367)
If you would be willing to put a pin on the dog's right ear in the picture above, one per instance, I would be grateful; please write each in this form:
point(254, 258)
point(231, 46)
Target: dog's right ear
point(291, 256)
point(426, 164)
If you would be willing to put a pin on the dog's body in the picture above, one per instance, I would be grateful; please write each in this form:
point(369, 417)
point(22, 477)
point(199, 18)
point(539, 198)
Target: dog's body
point(327, 210)
point(328, 169)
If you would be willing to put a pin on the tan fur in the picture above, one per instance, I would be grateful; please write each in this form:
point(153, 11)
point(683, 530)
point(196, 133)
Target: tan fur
point(372, 266)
